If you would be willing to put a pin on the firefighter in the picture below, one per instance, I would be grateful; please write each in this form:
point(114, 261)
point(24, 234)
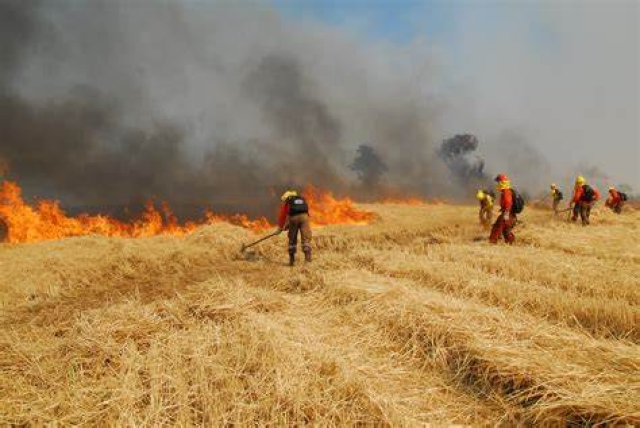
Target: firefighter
point(584, 198)
point(506, 221)
point(556, 197)
point(616, 200)
point(485, 198)
point(294, 217)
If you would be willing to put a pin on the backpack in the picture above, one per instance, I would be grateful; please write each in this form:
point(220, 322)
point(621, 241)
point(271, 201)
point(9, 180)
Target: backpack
point(588, 195)
point(297, 205)
point(559, 195)
point(518, 202)
point(623, 196)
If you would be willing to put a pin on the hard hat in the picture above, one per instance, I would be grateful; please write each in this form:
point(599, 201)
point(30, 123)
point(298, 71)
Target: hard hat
point(612, 189)
point(502, 177)
point(553, 186)
point(580, 180)
point(480, 195)
point(286, 195)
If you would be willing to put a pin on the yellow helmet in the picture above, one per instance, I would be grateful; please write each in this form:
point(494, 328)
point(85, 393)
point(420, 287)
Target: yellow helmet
point(580, 180)
point(286, 195)
point(480, 195)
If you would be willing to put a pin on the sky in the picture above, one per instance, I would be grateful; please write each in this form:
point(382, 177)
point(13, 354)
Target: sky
point(110, 101)
point(561, 76)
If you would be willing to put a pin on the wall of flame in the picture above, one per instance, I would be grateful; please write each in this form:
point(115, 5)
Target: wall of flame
point(47, 220)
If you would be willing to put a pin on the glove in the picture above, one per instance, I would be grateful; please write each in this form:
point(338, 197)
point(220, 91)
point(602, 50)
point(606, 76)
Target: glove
point(279, 230)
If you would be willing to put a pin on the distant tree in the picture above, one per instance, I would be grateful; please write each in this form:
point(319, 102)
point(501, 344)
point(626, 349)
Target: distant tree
point(457, 153)
point(368, 165)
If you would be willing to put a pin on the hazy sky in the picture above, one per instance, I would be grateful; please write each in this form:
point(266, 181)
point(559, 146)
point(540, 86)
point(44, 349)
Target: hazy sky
point(112, 101)
point(562, 75)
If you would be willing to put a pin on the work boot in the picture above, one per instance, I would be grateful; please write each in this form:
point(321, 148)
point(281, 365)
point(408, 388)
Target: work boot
point(307, 256)
point(292, 259)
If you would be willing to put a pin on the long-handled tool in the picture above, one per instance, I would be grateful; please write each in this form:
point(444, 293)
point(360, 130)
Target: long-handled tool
point(540, 200)
point(264, 238)
point(566, 210)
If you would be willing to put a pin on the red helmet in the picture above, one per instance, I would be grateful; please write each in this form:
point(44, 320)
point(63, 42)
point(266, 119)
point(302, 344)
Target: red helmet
point(502, 177)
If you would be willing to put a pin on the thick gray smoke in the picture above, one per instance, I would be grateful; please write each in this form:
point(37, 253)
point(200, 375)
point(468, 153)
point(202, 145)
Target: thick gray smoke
point(511, 152)
point(459, 154)
point(108, 103)
point(111, 102)
point(570, 93)
point(297, 117)
point(370, 169)
point(18, 28)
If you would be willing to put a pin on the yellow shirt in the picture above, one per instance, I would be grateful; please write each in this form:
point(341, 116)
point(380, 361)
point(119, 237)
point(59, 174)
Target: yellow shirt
point(487, 201)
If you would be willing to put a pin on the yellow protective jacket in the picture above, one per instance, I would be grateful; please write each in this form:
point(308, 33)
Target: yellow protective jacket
point(487, 201)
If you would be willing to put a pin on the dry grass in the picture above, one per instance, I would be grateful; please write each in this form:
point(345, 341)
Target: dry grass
point(412, 320)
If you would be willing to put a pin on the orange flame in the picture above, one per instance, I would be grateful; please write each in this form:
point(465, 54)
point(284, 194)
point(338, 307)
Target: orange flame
point(258, 225)
point(46, 220)
point(327, 209)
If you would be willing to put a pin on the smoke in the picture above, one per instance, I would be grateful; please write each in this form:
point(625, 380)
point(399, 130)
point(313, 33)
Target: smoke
point(512, 152)
point(18, 27)
point(300, 120)
point(110, 102)
point(570, 92)
point(459, 154)
point(369, 168)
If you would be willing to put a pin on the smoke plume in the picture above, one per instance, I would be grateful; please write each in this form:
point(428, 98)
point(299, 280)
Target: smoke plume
point(459, 154)
point(369, 168)
point(111, 102)
point(108, 103)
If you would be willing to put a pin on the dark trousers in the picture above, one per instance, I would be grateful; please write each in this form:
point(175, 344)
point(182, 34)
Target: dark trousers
point(582, 209)
point(299, 224)
point(617, 208)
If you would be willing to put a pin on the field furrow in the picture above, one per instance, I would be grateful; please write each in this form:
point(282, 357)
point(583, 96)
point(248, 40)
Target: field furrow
point(412, 320)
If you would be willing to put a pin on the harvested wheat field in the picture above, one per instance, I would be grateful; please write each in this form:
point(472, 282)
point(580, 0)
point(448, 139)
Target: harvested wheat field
point(411, 320)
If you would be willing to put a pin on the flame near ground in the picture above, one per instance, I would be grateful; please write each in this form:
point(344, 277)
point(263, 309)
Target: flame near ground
point(47, 220)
